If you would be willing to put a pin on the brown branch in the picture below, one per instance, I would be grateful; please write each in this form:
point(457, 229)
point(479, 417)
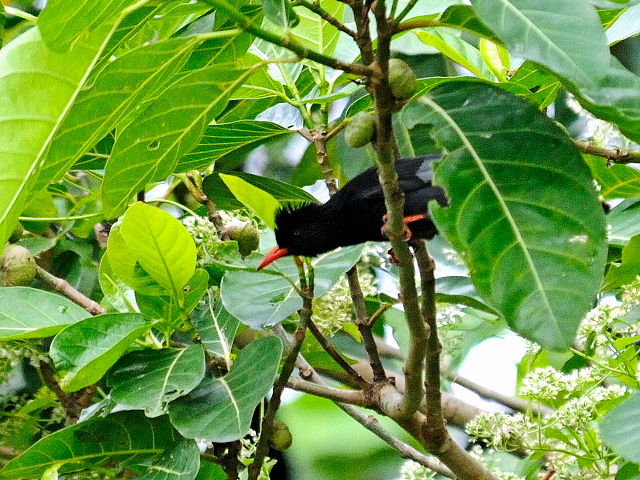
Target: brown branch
point(326, 16)
point(415, 23)
point(514, 403)
point(8, 452)
point(287, 369)
point(333, 353)
point(617, 155)
point(338, 395)
point(73, 403)
point(212, 212)
point(287, 42)
point(65, 288)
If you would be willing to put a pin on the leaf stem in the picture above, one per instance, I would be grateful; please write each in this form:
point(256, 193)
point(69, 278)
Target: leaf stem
point(21, 14)
point(61, 219)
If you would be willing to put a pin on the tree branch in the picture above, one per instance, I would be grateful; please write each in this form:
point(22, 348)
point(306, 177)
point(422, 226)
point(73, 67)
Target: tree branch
point(512, 402)
point(65, 288)
point(617, 155)
point(338, 395)
point(326, 16)
point(415, 23)
point(247, 24)
point(287, 369)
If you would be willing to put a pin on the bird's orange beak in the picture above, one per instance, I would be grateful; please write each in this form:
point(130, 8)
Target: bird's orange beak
point(272, 256)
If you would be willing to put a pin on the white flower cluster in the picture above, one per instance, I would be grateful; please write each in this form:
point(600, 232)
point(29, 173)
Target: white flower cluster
point(202, 231)
point(578, 413)
point(411, 470)
point(506, 432)
point(334, 308)
point(547, 384)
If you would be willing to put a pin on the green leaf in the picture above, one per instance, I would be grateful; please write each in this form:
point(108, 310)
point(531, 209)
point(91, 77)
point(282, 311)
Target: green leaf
point(120, 438)
point(88, 348)
point(542, 87)
point(215, 326)
point(29, 124)
point(31, 313)
point(623, 219)
point(161, 245)
point(462, 291)
point(280, 13)
point(3, 21)
point(169, 128)
point(564, 35)
point(220, 409)
point(314, 32)
point(463, 17)
point(454, 47)
point(620, 428)
point(260, 202)
point(261, 299)
point(180, 461)
point(149, 379)
point(616, 181)
point(284, 193)
point(629, 268)
point(101, 106)
point(532, 235)
point(222, 139)
point(123, 263)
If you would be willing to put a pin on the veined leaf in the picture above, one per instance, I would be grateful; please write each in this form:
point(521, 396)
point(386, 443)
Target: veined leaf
point(620, 429)
point(524, 213)
point(169, 128)
point(123, 437)
point(280, 13)
point(564, 35)
point(161, 245)
point(181, 461)
point(32, 313)
point(220, 409)
point(149, 379)
point(219, 140)
point(32, 117)
point(116, 92)
point(629, 268)
point(88, 348)
point(616, 181)
point(260, 300)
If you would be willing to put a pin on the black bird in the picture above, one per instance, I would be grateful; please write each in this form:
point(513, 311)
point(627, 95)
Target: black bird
point(356, 213)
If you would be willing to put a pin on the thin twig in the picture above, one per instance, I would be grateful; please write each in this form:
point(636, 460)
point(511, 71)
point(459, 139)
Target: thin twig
point(333, 353)
point(509, 401)
point(65, 288)
point(287, 369)
point(352, 397)
point(201, 197)
point(289, 43)
point(415, 23)
point(326, 16)
point(617, 155)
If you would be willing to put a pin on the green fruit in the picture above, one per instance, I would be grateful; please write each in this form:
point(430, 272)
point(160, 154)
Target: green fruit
point(402, 79)
point(281, 439)
point(17, 266)
point(359, 130)
point(248, 239)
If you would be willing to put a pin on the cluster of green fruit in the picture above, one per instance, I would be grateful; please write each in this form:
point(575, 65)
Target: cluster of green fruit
point(17, 265)
point(403, 82)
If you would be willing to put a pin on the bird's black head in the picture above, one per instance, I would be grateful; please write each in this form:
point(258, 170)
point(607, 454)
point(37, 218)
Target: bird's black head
point(303, 230)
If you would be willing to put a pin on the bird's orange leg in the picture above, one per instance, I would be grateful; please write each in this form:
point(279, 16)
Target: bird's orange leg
point(407, 231)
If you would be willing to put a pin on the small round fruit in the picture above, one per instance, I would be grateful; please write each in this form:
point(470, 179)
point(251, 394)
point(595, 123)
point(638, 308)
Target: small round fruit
point(17, 266)
point(281, 439)
point(402, 79)
point(359, 130)
point(248, 239)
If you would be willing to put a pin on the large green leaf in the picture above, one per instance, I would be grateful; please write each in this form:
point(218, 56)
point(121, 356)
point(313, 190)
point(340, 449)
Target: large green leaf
point(161, 245)
point(32, 116)
point(625, 26)
point(31, 313)
point(261, 299)
point(620, 428)
point(220, 409)
point(88, 348)
point(564, 35)
point(149, 379)
point(116, 92)
point(219, 140)
point(149, 149)
point(280, 12)
point(123, 263)
point(623, 219)
point(285, 193)
point(314, 32)
point(180, 461)
point(121, 438)
point(524, 212)
point(215, 326)
point(616, 181)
